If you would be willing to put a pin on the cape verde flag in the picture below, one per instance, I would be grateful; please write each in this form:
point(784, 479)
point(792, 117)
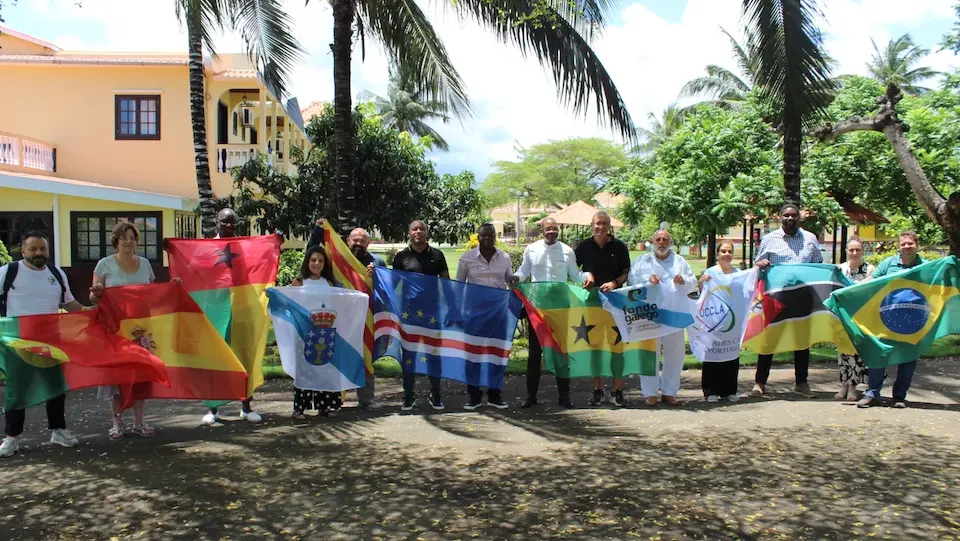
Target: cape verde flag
point(320, 336)
point(444, 328)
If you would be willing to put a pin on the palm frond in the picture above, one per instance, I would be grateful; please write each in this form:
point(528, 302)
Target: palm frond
point(744, 57)
point(422, 129)
point(266, 30)
point(205, 17)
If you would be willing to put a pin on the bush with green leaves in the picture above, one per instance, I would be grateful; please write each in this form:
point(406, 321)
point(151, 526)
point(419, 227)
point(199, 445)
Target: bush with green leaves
point(926, 255)
point(290, 261)
point(4, 255)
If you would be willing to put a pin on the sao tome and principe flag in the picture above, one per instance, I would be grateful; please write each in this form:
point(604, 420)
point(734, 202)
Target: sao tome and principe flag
point(165, 320)
point(227, 278)
point(895, 319)
point(320, 336)
point(439, 327)
point(44, 356)
point(579, 337)
point(351, 274)
point(788, 312)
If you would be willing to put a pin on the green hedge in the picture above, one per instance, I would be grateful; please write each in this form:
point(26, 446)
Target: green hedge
point(875, 259)
point(290, 261)
point(4, 255)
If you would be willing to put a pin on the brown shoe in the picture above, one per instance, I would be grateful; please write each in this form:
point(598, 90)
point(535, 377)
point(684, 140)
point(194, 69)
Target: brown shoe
point(670, 400)
point(758, 390)
point(803, 389)
point(651, 401)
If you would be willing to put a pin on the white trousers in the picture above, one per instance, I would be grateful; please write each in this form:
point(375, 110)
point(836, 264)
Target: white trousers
point(670, 350)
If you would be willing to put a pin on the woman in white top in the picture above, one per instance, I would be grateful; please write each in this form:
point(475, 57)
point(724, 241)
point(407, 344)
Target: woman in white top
point(122, 269)
point(719, 379)
point(852, 371)
point(315, 273)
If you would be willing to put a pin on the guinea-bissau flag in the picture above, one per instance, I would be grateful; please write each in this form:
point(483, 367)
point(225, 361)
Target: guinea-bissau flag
point(351, 274)
point(894, 319)
point(788, 312)
point(228, 278)
point(579, 336)
point(165, 320)
point(45, 356)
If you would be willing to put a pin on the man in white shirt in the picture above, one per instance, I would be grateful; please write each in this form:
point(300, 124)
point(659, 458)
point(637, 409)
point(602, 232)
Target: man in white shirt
point(664, 265)
point(36, 290)
point(547, 260)
point(487, 266)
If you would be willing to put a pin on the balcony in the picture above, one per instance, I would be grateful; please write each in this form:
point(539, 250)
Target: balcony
point(226, 157)
point(26, 155)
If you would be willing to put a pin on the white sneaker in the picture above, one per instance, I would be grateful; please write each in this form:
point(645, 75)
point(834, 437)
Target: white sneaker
point(9, 447)
point(733, 398)
point(63, 438)
point(210, 418)
point(713, 398)
point(253, 416)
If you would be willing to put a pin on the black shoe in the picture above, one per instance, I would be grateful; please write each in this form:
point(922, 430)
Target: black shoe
point(597, 398)
point(567, 403)
point(530, 402)
point(473, 404)
point(616, 398)
point(408, 403)
point(497, 402)
point(436, 402)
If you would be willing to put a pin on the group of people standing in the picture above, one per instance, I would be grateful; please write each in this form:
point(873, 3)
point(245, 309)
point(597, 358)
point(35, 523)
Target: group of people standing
point(35, 286)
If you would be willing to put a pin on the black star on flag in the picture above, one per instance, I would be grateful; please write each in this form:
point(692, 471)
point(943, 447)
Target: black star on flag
point(619, 336)
point(226, 256)
point(583, 331)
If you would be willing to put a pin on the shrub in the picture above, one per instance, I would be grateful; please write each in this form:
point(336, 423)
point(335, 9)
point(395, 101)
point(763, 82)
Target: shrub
point(473, 242)
point(4, 255)
point(290, 261)
point(926, 255)
point(515, 253)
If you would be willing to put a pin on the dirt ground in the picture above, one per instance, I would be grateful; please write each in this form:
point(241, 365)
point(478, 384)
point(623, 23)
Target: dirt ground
point(775, 468)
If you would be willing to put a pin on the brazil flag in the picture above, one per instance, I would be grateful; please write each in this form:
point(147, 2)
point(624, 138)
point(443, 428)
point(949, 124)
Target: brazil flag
point(579, 336)
point(894, 319)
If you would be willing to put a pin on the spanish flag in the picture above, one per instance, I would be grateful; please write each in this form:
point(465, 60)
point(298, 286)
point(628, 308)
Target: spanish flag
point(45, 356)
point(352, 275)
point(895, 319)
point(164, 320)
point(227, 278)
point(579, 336)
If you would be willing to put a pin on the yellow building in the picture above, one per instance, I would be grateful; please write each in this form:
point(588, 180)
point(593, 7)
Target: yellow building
point(87, 139)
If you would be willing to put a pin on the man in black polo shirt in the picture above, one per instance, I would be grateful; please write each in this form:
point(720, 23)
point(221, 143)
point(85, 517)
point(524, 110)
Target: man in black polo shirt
point(420, 257)
point(605, 261)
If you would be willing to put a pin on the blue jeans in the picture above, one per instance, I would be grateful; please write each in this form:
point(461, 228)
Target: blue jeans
point(900, 386)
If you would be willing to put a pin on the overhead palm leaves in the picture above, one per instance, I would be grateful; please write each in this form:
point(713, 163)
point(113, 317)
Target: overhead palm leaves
point(724, 88)
point(896, 64)
point(406, 109)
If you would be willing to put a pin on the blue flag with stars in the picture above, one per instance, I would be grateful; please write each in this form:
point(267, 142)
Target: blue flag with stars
point(439, 327)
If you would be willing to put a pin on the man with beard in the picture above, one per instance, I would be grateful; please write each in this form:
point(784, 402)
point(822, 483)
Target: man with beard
point(664, 265)
point(33, 287)
point(788, 245)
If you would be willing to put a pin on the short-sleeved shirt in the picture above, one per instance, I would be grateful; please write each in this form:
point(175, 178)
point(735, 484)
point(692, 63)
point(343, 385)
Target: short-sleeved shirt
point(607, 263)
point(475, 269)
point(109, 270)
point(35, 292)
point(779, 248)
point(893, 265)
point(430, 261)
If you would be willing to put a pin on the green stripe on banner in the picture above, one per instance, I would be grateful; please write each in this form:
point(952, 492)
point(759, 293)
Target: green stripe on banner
point(601, 363)
point(558, 295)
point(217, 306)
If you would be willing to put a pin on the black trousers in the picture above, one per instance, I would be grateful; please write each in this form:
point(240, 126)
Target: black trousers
point(244, 406)
point(476, 394)
point(801, 366)
point(56, 417)
point(410, 384)
point(720, 378)
point(534, 370)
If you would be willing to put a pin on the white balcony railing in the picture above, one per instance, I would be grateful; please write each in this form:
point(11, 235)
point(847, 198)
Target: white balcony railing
point(229, 156)
point(22, 152)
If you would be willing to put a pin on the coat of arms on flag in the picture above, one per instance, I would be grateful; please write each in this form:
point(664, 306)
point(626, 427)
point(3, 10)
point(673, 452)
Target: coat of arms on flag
point(321, 340)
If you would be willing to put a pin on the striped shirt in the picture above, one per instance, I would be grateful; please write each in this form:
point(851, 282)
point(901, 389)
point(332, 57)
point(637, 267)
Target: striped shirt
point(779, 248)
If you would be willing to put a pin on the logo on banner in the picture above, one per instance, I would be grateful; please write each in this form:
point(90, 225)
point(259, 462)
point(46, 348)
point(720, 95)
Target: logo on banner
point(716, 311)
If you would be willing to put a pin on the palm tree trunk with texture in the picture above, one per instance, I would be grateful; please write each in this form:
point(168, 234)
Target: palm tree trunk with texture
point(198, 120)
point(344, 12)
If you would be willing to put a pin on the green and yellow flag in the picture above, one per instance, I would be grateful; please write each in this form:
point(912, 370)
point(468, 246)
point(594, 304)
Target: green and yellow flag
point(579, 336)
point(894, 319)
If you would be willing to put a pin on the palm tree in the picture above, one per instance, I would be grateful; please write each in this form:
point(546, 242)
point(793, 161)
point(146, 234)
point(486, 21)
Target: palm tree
point(406, 107)
point(556, 33)
point(660, 129)
point(265, 28)
point(895, 64)
point(724, 88)
point(793, 73)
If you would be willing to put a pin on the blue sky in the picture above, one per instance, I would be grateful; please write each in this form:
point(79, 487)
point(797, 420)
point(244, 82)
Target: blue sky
point(650, 47)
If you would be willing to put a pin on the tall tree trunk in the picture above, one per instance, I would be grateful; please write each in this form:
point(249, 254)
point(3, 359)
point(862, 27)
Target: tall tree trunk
point(712, 248)
point(792, 139)
point(198, 120)
point(344, 12)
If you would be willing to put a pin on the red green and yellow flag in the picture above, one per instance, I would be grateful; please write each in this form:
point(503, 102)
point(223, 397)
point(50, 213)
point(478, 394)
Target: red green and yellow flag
point(351, 274)
point(227, 278)
point(579, 337)
point(165, 320)
point(45, 356)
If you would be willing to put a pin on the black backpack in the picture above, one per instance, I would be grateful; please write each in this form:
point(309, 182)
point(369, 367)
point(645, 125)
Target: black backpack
point(11, 275)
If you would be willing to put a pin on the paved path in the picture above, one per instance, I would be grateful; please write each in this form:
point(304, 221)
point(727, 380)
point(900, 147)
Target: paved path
point(777, 468)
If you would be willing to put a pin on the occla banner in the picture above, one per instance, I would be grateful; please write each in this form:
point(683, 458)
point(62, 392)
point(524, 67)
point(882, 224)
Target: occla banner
point(720, 315)
point(648, 311)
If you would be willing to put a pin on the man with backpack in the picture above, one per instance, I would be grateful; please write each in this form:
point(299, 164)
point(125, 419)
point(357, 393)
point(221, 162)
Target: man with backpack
point(32, 287)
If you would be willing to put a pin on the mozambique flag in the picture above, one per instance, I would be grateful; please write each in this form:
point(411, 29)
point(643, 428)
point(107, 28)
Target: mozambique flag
point(788, 312)
point(227, 278)
point(351, 274)
point(45, 356)
point(165, 320)
point(579, 337)
point(894, 319)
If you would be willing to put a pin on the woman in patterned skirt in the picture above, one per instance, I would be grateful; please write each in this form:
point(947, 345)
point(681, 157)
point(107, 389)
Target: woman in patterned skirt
point(315, 273)
point(852, 371)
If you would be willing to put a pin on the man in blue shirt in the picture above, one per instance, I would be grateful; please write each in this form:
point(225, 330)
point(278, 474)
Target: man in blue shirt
point(905, 260)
